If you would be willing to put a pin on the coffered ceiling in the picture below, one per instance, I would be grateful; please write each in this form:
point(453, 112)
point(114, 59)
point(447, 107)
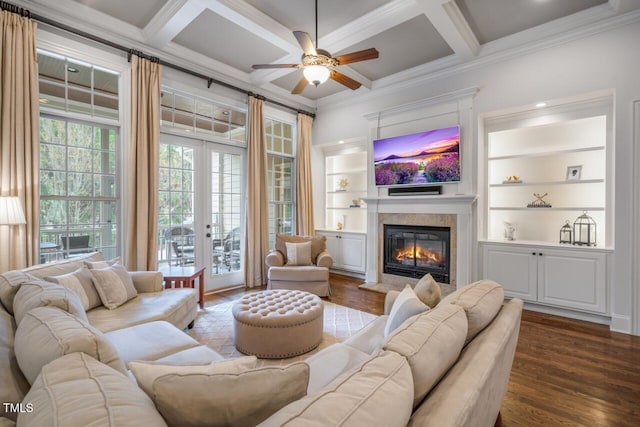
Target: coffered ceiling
point(414, 37)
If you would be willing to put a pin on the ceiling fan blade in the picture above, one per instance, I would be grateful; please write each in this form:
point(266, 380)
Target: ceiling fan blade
point(305, 42)
point(300, 86)
point(345, 80)
point(262, 66)
point(361, 55)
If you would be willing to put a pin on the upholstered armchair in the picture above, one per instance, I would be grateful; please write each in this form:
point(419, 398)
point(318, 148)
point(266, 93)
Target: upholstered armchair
point(300, 262)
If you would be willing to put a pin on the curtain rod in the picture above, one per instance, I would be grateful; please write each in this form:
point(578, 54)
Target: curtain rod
point(210, 80)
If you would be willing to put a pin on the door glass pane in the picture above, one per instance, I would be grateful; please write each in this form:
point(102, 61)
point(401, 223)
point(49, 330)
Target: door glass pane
point(226, 178)
point(176, 206)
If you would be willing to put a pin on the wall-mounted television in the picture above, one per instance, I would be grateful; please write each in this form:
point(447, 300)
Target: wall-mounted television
point(422, 158)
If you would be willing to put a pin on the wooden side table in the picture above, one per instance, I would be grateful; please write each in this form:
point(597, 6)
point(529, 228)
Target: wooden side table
point(180, 277)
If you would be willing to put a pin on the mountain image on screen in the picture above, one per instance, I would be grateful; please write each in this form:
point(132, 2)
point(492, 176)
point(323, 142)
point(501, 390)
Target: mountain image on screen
point(426, 157)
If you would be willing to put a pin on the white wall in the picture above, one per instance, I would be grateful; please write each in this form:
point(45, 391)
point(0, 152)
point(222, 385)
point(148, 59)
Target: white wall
point(608, 60)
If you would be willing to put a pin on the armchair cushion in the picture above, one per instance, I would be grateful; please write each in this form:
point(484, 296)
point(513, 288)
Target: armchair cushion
point(298, 253)
point(318, 244)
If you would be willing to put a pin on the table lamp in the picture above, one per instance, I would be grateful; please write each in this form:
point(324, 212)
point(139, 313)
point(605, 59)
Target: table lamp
point(11, 212)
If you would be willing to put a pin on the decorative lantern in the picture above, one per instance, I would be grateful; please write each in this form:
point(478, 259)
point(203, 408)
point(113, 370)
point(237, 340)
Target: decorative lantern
point(584, 230)
point(566, 234)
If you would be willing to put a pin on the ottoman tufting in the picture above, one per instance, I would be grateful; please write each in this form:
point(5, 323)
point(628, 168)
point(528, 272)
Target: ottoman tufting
point(276, 324)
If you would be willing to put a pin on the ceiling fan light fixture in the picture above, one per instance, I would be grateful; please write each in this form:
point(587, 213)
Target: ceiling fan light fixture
point(316, 74)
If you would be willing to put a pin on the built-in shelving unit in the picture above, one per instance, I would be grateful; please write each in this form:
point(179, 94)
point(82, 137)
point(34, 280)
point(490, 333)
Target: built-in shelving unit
point(531, 154)
point(346, 187)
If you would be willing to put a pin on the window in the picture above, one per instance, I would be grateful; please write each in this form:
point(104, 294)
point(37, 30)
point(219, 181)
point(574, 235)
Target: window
point(78, 191)
point(79, 195)
point(280, 167)
point(188, 113)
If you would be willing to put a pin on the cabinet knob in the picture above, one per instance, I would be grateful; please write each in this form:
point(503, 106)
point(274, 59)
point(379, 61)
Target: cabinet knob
point(533, 253)
point(539, 253)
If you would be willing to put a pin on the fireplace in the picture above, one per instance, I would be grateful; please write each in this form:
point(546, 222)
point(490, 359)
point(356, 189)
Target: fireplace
point(415, 250)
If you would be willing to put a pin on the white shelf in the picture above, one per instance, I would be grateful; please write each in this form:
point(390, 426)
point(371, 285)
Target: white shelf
point(588, 209)
point(541, 183)
point(349, 172)
point(546, 153)
point(351, 166)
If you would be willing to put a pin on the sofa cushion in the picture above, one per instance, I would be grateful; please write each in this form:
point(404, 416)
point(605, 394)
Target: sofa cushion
point(299, 274)
point(46, 333)
point(114, 285)
point(13, 385)
point(65, 266)
point(142, 342)
point(39, 293)
point(379, 393)
point(146, 373)
point(318, 244)
point(332, 362)
point(200, 355)
point(177, 306)
point(77, 390)
point(428, 290)
point(298, 253)
point(228, 399)
point(431, 342)
point(80, 282)
point(406, 305)
point(481, 302)
point(11, 281)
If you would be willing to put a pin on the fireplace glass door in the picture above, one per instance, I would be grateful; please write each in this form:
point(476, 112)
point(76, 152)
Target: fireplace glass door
point(414, 251)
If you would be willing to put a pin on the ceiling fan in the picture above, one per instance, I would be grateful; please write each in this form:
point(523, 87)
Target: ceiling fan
point(318, 65)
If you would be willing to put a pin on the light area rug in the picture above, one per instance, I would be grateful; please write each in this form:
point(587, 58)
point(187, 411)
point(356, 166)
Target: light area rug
point(214, 328)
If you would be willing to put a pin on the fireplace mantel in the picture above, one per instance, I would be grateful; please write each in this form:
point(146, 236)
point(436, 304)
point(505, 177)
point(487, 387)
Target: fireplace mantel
point(460, 205)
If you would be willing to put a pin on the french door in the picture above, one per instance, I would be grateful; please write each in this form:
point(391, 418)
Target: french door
point(201, 212)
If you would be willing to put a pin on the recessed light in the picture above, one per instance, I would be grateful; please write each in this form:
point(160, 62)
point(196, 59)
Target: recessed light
point(341, 142)
point(541, 104)
point(73, 70)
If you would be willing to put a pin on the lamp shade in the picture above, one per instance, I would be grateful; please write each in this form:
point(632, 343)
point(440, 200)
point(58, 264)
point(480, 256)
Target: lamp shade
point(316, 74)
point(11, 212)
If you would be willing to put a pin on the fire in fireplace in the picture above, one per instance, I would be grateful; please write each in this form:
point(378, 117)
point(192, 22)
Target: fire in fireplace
point(414, 251)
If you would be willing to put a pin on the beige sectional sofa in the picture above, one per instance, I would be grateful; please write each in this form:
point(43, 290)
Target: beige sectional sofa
point(448, 366)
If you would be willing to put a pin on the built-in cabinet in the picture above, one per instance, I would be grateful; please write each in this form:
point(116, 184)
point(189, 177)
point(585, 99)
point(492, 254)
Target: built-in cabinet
point(543, 169)
point(347, 248)
point(566, 278)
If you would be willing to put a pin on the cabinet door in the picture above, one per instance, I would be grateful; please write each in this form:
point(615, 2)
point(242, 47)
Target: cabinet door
point(353, 252)
point(514, 268)
point(573, 279)
point(333, 246)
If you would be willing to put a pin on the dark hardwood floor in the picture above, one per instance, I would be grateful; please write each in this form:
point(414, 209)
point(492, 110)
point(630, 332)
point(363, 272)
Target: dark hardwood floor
point(565, 373)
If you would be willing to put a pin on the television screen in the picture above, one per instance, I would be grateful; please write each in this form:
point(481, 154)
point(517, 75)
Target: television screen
point(426, 157)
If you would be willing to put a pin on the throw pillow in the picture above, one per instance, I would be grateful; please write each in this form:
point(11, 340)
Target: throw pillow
point(406, 305)
point(102, 264)
point(114, 285)
point(81, 283)
point(428, 291)
point(298, 253)
point(147, 372)
point(229, 399)
point(46, 333)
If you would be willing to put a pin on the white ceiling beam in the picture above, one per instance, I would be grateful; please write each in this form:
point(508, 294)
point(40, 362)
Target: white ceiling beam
point(170, 20)
point(447, 18)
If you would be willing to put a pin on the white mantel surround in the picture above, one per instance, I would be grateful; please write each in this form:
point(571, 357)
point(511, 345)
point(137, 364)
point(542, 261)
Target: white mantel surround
point(459, 205)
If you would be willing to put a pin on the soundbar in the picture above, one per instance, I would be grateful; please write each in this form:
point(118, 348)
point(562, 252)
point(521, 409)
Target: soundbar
point(419, 190)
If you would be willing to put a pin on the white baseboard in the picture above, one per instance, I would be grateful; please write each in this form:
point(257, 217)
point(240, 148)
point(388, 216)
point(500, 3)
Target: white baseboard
point(587, 317)
point(621, 324)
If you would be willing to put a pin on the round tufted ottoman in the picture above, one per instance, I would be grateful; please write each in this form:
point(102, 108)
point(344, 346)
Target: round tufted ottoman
point(275, 324)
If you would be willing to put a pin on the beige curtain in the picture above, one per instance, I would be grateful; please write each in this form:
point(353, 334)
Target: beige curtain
point(304, 194)
point(256, 236)
point(143, 162)
point(20, 143)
